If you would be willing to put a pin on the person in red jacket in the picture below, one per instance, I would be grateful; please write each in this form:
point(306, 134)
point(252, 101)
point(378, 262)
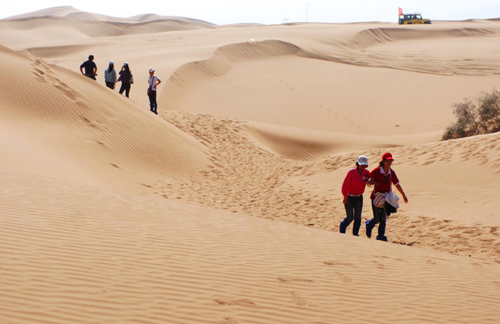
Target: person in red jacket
point(352, 190)
point(383, 177)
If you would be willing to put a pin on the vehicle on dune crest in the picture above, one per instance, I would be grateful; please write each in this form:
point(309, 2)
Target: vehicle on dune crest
point(412, 19)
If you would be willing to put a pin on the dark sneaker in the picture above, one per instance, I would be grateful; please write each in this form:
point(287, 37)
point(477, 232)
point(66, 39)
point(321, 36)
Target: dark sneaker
point(368, 230)
point(382, 238)
point(342, 228)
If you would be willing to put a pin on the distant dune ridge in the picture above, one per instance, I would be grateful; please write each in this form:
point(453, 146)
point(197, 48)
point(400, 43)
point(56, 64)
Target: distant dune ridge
point(73, 13)
point(225, 208)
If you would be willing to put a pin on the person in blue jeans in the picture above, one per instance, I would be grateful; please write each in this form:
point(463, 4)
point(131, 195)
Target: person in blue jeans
point(353, 188)
point(383, 177)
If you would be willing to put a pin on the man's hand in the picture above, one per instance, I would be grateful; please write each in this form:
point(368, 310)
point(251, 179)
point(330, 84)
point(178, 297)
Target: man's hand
point(346, 201)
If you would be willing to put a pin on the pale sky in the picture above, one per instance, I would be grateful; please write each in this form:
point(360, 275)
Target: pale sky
point(273, 11)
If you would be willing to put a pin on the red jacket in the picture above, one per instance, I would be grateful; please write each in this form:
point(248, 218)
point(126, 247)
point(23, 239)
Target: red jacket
point(354, 183)
point(384, 180)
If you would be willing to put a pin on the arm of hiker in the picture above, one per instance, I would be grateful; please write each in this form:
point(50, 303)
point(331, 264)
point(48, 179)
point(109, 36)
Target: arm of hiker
point(400, 189)
point(345, 187)
point(370, 182)
point(81, 70)
point(159, 81)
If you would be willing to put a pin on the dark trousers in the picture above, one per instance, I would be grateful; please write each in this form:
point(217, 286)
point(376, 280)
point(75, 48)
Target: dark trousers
point(125, 87)
point(378, 217)
point(110, 85)
point(152, 102)
point(353, 211)
point(90, 76)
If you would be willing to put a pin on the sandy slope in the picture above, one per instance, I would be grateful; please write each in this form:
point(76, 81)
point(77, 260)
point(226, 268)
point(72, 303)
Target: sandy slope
point(110, 214)
point(75, 128)
point(452, 209)
point(86, 255)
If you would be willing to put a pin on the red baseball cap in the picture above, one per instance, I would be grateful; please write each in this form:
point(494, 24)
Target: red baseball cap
point(387, 156)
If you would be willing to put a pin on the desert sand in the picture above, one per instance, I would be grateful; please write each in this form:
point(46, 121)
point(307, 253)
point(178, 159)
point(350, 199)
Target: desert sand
point(225, 208)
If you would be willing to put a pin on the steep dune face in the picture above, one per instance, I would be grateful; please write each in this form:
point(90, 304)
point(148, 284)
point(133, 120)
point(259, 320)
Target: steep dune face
point(280, 83)
point(460, 48)
point(86, 131)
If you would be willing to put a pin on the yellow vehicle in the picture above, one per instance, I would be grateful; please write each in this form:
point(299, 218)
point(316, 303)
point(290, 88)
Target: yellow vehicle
point(413, 19)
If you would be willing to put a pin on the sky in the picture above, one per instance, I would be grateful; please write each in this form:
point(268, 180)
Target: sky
point(273, 11)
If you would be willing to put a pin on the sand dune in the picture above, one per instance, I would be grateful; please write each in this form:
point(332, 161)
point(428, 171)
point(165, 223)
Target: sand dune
point(451, 209)
point(68, 23)
point(280, 83)
point(75, 14)
point(226, 207)
point(81, 130)
point(88, 255)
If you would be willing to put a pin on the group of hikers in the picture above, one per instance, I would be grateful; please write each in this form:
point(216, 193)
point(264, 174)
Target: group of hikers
point(89, 69)
point(383, 200)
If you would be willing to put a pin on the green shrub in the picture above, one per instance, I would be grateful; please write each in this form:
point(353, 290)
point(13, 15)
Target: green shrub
point(475, 116)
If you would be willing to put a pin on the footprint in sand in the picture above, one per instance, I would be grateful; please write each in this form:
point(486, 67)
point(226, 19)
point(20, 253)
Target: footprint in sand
point(343, 277)
point(338, 263)
point(292, 279)
point(236, 302)
point(298, 299)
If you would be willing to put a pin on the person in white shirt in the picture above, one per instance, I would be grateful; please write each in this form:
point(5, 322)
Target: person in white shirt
point(153, 83)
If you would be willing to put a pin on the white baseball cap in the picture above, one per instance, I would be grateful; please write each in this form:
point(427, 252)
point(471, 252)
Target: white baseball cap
point(151, 70)
point(111, 62)
point(363, 160)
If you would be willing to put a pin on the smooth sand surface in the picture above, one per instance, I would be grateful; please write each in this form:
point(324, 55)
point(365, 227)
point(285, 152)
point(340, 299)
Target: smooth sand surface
point(225, 208)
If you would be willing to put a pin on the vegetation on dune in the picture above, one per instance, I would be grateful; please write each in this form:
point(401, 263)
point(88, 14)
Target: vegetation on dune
point(475, 116)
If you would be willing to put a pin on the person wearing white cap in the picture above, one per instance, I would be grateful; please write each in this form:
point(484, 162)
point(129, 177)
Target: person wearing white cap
point(153, 83)
point(110, 75)
point(353, 188)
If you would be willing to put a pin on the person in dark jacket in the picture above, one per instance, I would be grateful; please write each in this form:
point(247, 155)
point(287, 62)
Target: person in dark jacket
point(90, 68)
point(126, 79)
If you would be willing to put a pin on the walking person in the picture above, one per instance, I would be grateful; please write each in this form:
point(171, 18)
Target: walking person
point(383, 177)
point(352, 189)
point(126, 79)
point(90, 68)
point(153, 83)
point(110, 75)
